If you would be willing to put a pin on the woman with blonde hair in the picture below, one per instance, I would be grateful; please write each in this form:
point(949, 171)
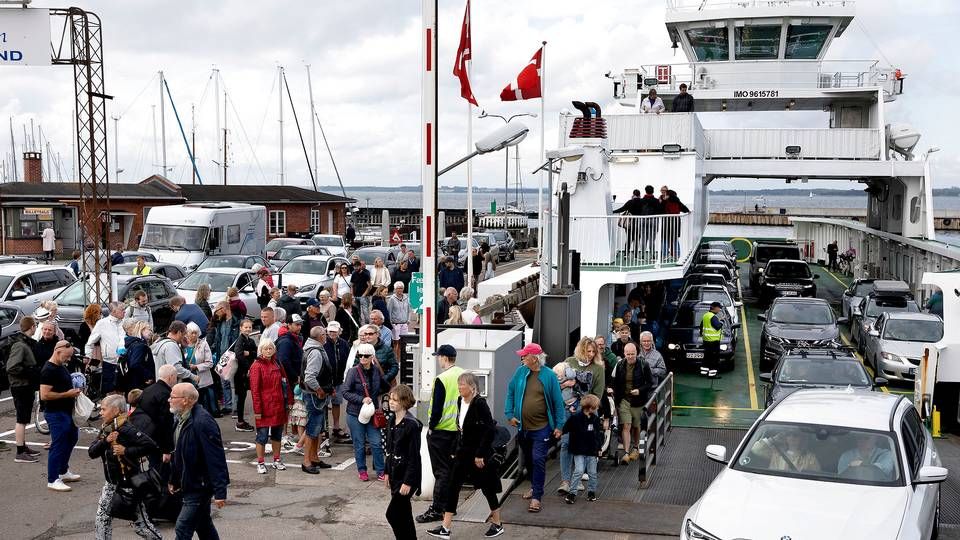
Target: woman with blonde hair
point(380, 275)
point(585, 375)
point(455, 316)
point(202, 300)
point(140, 364)
point(271, 399)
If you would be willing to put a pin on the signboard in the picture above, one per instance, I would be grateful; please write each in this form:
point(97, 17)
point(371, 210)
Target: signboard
point(416, 291)
point(493, 207)
point(395, 237)
point(24, 37)
point(664, 74)
point(43, 214)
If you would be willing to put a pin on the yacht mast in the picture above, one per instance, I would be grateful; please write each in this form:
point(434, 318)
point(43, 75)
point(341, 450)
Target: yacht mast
point(280, 75)
point(163, 131)
point(313, 126)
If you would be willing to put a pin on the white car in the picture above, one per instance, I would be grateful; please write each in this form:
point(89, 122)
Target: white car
point(310, 273)
point(221, 279)
point(333, 242)
point(810, 465)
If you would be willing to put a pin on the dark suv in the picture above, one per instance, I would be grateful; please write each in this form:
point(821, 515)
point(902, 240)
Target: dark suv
point(796, 322)
point(787, 277)
point(72, 301)
point(816, 368)
point(765, 251)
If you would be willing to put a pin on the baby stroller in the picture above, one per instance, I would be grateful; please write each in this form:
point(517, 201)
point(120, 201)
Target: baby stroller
point(611, 437)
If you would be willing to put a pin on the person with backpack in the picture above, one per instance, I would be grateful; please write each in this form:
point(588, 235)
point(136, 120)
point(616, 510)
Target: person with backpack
point(472, 460)
point(23, 373)
point(317, 385)
point(139, 308)
point(141, 371)
point(168, 351)
point(403, 467)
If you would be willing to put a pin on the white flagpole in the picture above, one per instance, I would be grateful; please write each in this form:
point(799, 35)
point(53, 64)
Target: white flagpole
point(470, 189)
point(545, 266)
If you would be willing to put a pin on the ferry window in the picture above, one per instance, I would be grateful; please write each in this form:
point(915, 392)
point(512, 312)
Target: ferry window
point(897, 207)
point(233, 234)
point(709, 43)
point(914, 209)
point(757, 42)
point(805, 41)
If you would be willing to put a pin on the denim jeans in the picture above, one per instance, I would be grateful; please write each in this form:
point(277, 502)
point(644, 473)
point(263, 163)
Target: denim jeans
point(195, 517)
point(583, 464)
point(227, 393)
point(566, 458)
point(316, 414)
point(63, 436)
point(208, 399)
point(365, 433)
point(535, 445)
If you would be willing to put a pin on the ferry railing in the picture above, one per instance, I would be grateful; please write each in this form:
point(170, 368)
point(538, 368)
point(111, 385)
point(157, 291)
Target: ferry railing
point(631, 242)
point(647, 132)
point(659, 422)
point(699, 5)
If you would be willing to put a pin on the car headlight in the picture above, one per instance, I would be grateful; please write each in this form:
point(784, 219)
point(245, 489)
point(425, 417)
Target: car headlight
point(889, 357)
point(777, 339)
point(760, 270)
point(308, 288)
point(695, 532)
point(724, 346)
point(673, 346)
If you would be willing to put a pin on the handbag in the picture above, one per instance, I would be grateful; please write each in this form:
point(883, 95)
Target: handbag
point(82, 409)
point(147, 483)
point(123, 504)
point(379, 418)
point(226, 367)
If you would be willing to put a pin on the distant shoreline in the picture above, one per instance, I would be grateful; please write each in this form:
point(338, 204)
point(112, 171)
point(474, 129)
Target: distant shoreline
point(951, 191)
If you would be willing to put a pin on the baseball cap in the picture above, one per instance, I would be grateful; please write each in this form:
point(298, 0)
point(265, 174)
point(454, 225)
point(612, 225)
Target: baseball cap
point(333, 326)
point(716, 305)
point(313, 302)
point(365, 348)
point(296, 319)
point(446, 350)
point(531, 348)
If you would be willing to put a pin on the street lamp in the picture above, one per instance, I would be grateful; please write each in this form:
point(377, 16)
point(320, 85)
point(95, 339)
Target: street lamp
point(569, 153)
point(506, 169)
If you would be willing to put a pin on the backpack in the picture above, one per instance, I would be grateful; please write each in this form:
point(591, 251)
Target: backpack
point(325, 377)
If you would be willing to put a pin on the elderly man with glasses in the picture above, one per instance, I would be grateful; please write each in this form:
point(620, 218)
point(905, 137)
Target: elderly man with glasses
point(199, 464)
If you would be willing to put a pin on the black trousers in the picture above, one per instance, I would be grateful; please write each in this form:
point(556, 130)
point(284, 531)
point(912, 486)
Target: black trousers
point(238, 404)
point(400, 517)
point(711, 354)
point(487, 479)
point(442, 445)
point(832, 264)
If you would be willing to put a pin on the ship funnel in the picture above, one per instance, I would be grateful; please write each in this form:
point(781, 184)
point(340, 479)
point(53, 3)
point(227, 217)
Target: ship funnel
point(590, 125)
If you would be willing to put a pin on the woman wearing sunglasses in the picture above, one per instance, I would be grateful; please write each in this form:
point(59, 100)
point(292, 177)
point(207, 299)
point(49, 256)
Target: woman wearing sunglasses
point(363, 385)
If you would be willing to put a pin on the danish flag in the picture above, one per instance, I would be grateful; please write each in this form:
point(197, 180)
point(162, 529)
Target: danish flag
point(527, 83)
point(463, 56)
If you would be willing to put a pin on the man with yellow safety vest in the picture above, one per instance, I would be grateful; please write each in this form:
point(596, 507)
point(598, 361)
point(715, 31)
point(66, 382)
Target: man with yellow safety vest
point(711, 330)
point(141, 269)
point(442, 432)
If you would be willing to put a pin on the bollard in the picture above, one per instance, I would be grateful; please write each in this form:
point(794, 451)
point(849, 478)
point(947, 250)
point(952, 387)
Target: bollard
point(935, 424)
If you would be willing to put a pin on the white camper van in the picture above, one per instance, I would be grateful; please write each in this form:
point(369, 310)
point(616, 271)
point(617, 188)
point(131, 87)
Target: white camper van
point(185, 234)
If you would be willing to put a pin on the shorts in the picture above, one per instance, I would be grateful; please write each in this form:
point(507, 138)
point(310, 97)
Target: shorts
point(630, 415)
point(399, 329)
point(316, 414)
point(273, 433)
point(298, 413)
point(23, 398)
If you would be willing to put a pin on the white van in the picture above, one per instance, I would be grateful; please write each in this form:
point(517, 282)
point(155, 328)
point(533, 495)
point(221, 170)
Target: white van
point(185, 234)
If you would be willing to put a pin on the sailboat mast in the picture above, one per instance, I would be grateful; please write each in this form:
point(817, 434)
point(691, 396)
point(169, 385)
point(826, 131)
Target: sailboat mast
point(163, 131)
point(13, 152)
point(313, 126)
point(193, 138)
point(280, 79)
point(153, 115)
point(216, 103)
point(224, 137)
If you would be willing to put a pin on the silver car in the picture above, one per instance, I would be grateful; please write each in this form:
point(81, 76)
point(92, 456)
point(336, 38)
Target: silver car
point(219, 280)
point(895, 343)
point(870, 309)
point(852, 296)
point(27, 285)
point(311, 274)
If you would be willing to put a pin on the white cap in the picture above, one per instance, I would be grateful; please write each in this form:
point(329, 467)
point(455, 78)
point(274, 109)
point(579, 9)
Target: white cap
point(333, 326)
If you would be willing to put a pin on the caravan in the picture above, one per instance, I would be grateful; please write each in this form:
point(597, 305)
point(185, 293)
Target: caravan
point(185, 234)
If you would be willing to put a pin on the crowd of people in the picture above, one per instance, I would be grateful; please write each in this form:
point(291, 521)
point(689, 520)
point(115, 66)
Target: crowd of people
point(641, 235)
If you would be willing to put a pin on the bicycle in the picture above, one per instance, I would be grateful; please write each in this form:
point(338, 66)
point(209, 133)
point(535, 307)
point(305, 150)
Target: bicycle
point(845, 261)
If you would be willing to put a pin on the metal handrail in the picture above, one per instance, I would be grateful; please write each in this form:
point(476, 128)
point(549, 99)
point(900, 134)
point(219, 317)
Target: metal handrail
point(654, 436)
point(699, 5)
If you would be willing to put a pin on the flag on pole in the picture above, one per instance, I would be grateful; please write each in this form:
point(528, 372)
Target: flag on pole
point(463, 56)
point(527, 83)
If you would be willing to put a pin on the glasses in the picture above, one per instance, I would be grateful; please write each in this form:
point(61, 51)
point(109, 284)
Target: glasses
point(369, 333)
point(365, 355)
point(173, 397)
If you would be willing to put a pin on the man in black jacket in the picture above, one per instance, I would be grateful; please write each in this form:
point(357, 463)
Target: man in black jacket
point(338, 351)
point(631, 390)
point(23, 372)
point(684, 101)
point(199, 464)
point(290, 302)
point(154, 418)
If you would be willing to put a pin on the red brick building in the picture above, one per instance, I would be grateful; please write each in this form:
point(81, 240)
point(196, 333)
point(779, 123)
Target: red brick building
point(31, 206)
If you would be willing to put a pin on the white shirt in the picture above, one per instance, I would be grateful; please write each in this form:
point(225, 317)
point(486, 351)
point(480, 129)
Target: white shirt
point(108, 332)
point(464, 407)
point(343, 285)
point(657, 107)
point(271, 331)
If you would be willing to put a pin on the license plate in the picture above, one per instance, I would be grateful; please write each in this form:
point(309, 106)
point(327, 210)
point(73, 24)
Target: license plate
point(694, 355)
point(913, 371)
point(789, 293)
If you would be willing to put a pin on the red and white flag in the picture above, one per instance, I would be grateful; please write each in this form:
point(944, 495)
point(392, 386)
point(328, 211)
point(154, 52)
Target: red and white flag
point(527, 84)
point(463, 56)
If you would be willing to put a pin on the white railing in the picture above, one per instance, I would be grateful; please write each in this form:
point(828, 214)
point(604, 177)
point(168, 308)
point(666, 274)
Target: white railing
point(838, 143)
point(631, 242)
point(647, 132)
point(700, 5)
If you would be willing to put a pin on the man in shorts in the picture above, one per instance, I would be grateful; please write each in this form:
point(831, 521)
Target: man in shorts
point(317, 387)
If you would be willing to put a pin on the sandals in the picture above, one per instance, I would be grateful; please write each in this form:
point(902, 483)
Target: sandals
point(528, 495)
point(534, 506)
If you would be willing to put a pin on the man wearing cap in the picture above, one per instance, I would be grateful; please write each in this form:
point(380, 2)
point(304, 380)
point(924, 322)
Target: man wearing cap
point(289, 302)
point(535, 407)
point(443, 433)
point(290, 350)
point(711, 330)
point(313, 317)
point(337, 349)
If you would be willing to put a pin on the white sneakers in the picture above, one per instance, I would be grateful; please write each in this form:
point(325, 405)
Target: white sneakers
point(59, 486)
point(70, 477)
point(261, 468)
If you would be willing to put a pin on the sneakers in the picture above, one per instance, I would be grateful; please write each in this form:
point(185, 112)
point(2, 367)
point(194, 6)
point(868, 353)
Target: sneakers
point(564, 488)
point(298, 450)
point(309, 470)
point(494, 531)
point(381, 477)
point(58, 486)
point(364, 477)
point(278, 465)
point(429, 515)
point(27, 450)
point(570, 498)
point(70, 477)
point(324, 453)
point(439, 532)
point(591, 496)
point(261, 468)
point(23, 457)
point(325, 445)
point(243, 427)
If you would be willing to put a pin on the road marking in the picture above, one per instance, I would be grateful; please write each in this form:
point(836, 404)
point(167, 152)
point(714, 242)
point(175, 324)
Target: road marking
point(746, 342)
point(705, 408)
point(343, 466)
point(8, 398)
point(860, 358)
point(840, 281)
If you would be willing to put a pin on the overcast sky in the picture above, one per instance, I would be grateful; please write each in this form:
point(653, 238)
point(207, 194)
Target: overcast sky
point(364, 57)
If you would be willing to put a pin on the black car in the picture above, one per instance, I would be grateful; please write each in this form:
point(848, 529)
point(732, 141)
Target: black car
point(766, 251)
point(684, 343)
point(691, 280)
point(508, 248)
point(786, 277)
point(723, 245)
point(720, 269)
point(74, 299)
point(816, 368)
point(168, 270)
point(796, 322)
point(715, 256)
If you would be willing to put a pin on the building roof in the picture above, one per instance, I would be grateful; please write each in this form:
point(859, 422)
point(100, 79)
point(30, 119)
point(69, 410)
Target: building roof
point(68, 190)
point(258, 194)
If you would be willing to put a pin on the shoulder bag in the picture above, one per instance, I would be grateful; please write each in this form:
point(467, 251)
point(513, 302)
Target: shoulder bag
point(379, 418)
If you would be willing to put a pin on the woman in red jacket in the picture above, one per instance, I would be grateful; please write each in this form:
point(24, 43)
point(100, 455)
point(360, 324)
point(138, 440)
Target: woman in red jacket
point(271, 399)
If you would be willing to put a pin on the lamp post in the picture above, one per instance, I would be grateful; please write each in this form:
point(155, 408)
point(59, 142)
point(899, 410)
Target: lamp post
point(506, 170)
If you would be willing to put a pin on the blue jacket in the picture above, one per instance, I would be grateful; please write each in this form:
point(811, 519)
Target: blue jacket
point(290, 354)
point(551, 387)
point(199, 463)
point(139, 362)
point(191, 313)
point(353, 388)
point(451, 278)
